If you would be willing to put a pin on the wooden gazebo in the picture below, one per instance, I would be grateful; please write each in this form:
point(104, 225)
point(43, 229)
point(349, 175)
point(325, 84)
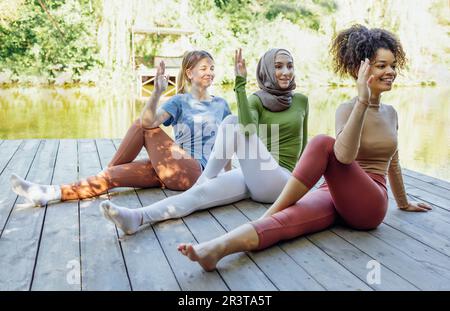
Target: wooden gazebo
point(145, 75)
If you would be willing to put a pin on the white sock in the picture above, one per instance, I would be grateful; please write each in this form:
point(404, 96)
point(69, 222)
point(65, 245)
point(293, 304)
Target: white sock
point(39, 195)
point(127, 219)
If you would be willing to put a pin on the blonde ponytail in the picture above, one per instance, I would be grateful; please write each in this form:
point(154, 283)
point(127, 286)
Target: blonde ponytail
point(190, 59)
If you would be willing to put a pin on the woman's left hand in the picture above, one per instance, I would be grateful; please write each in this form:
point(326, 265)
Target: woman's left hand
point(416, 207)
point(239, 64)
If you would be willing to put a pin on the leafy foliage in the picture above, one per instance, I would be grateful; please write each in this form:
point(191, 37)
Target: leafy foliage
point(41, 43)
point(67, 37)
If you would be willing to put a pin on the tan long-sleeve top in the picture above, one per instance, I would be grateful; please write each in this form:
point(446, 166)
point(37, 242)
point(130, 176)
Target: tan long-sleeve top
point(368, 135)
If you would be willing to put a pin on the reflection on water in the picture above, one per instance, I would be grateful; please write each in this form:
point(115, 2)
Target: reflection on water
point(424, 122)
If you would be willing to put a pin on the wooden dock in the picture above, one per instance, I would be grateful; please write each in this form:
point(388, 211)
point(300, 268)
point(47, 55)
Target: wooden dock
point(70, 246)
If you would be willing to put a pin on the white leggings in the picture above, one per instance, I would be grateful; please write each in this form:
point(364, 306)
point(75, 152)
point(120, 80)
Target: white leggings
point(259, 177)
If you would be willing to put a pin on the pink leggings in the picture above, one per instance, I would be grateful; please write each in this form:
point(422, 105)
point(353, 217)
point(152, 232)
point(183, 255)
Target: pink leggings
point(168, 166)
point(358, 198)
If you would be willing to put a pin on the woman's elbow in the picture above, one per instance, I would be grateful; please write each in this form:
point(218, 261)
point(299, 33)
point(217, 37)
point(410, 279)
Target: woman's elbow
point(345, 161)
point(343, 157)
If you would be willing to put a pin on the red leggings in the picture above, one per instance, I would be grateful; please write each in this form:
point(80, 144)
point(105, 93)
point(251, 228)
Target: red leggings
point(358, 198)
point(168, 166)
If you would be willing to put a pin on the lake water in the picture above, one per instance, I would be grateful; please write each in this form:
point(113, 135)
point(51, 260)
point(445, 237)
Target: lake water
point(424, 118)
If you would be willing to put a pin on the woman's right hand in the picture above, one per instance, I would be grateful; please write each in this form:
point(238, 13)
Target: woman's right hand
point(363, 82)
point(239, 64)
point(161, 80)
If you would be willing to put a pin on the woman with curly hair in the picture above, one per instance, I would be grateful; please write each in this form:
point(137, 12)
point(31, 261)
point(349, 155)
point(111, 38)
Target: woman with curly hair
point(354, 165)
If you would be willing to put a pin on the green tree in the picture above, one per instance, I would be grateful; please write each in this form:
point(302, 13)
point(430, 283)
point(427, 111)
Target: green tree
point(59, 37)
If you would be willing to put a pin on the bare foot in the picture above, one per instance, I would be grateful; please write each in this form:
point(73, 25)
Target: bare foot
point(202, 254)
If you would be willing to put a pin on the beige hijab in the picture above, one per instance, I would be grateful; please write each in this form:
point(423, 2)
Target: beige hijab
point(272, 96)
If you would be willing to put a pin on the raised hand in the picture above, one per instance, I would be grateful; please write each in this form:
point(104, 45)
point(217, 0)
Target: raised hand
point(161, 80)
point(363, 82)
point(239, 64)
point(416, 207)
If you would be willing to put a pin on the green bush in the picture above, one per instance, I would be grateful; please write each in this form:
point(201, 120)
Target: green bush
point(37, 43)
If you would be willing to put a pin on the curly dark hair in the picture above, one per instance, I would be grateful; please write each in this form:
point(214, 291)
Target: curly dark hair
point(357, 43)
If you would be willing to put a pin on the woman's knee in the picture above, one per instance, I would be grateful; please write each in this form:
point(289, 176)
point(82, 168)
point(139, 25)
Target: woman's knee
point(322, 141)
point(178, 184)
point(182, 180)
point(320, 144)
point(195, 197)
point(230, 119)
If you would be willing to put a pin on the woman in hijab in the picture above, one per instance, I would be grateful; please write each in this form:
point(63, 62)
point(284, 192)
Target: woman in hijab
point(267, 137)
point(355, 164)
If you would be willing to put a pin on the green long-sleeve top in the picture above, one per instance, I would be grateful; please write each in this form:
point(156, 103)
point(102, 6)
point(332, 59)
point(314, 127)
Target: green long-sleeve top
point(292, 122)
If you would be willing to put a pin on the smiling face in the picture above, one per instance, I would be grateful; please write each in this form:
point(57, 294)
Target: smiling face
point(383, 68)
point(202, 74)
point(284, 70)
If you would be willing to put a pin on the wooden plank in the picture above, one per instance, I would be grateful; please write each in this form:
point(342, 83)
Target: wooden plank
point(190, 276)
point(428, 187)
point(102, 264)
point(437, 214)
point(238, 270)
point(348, 256)
point(20, 165)
point(420, 194)
point(7, 150)
point(358, 258)
point(159, 274)
point(440, 244)
point(421, 229)
point(424, 227)
point(147, 267)
point(418, 228)
point(430, 219)
point(329, 273)
point(58, 261)
point(312, 259)
point(414, 249)
point(403, 222)
point(431, 223)
point(428, 226)
point(435, 221)
point(20, 239)
point(415, 272)
point(434, 181)
point(355, 261)
point(274, 262)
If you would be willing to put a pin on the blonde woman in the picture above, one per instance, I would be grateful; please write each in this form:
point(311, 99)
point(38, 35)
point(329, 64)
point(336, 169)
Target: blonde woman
point(177, 164)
